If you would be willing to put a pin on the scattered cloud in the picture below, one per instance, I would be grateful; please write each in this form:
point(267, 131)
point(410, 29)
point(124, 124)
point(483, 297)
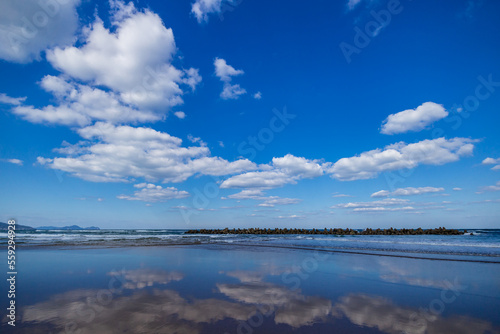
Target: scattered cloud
point(23, 37)
point(341, 195)
point(201, 8)
point(14, 161)
point(400, 155)
point(180, 114)
point(286, 170)
point(491, 161)
point(232, 92)
point(495, 187)
point(267, 201)
point(385, 205)
point(457, 189)
point(225, 73)
point(407, 191)
point(381, 203)
point(115, 76)
point(153, 193)
point(291, 217)
point(257, 95)
point(15, 101)
point(413, 119)
point(121, 153)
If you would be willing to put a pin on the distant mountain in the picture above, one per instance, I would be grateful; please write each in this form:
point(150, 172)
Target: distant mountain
point(72, 227)
point(4, 227)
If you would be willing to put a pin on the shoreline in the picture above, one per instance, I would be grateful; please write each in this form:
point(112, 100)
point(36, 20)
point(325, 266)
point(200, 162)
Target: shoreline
point(468, 258)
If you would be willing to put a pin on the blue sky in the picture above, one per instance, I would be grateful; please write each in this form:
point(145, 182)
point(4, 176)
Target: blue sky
point(215, 113)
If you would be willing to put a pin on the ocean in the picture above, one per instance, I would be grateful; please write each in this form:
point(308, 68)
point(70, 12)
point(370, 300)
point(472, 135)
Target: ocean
point(477, 244)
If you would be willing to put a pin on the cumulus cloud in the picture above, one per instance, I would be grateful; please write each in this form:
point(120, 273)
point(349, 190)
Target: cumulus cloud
point(266, 201)
point(13, 161)
point(491, 161)
point(79, 105)
point(257, 95)
point(285, 170)
point(201, 8)
point(400, 155)
point(138, 69)
point(225, 73)
point(153, 193)
point(30, 27)
point(115, 76)
point(413, 119)
point(180, 114)
point(407, 191)
point(5, 99)
point(119, 153)
point(232, 92)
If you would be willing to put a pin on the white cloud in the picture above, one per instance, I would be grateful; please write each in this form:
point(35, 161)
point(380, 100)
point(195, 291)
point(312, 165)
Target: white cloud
point(286, 170)
point(225, 73)
point(180, 114)
point(401, 155)
point(257, 95)
point(201, 9)
point(14, 161)
point(491, 161)
point(413, 119)
point(232, 92)
point(373, 204)
point(457, 189)
point(272, 201)
point(153, 193)
point(126, 78)
point(27, 28)
point(495, 187)
point(407, 191)
point(341, 195)
point(267, 201)
point(11, 100)
point(120, 153)
point(291, 217)
point(81, 104)
point(138, 70)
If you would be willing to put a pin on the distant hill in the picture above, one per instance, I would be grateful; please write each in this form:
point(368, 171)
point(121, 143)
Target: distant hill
point(4, 227)
point(72, 227)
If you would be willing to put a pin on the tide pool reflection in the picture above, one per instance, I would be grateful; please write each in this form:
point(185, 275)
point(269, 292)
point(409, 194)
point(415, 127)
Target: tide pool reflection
point(145, 303)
